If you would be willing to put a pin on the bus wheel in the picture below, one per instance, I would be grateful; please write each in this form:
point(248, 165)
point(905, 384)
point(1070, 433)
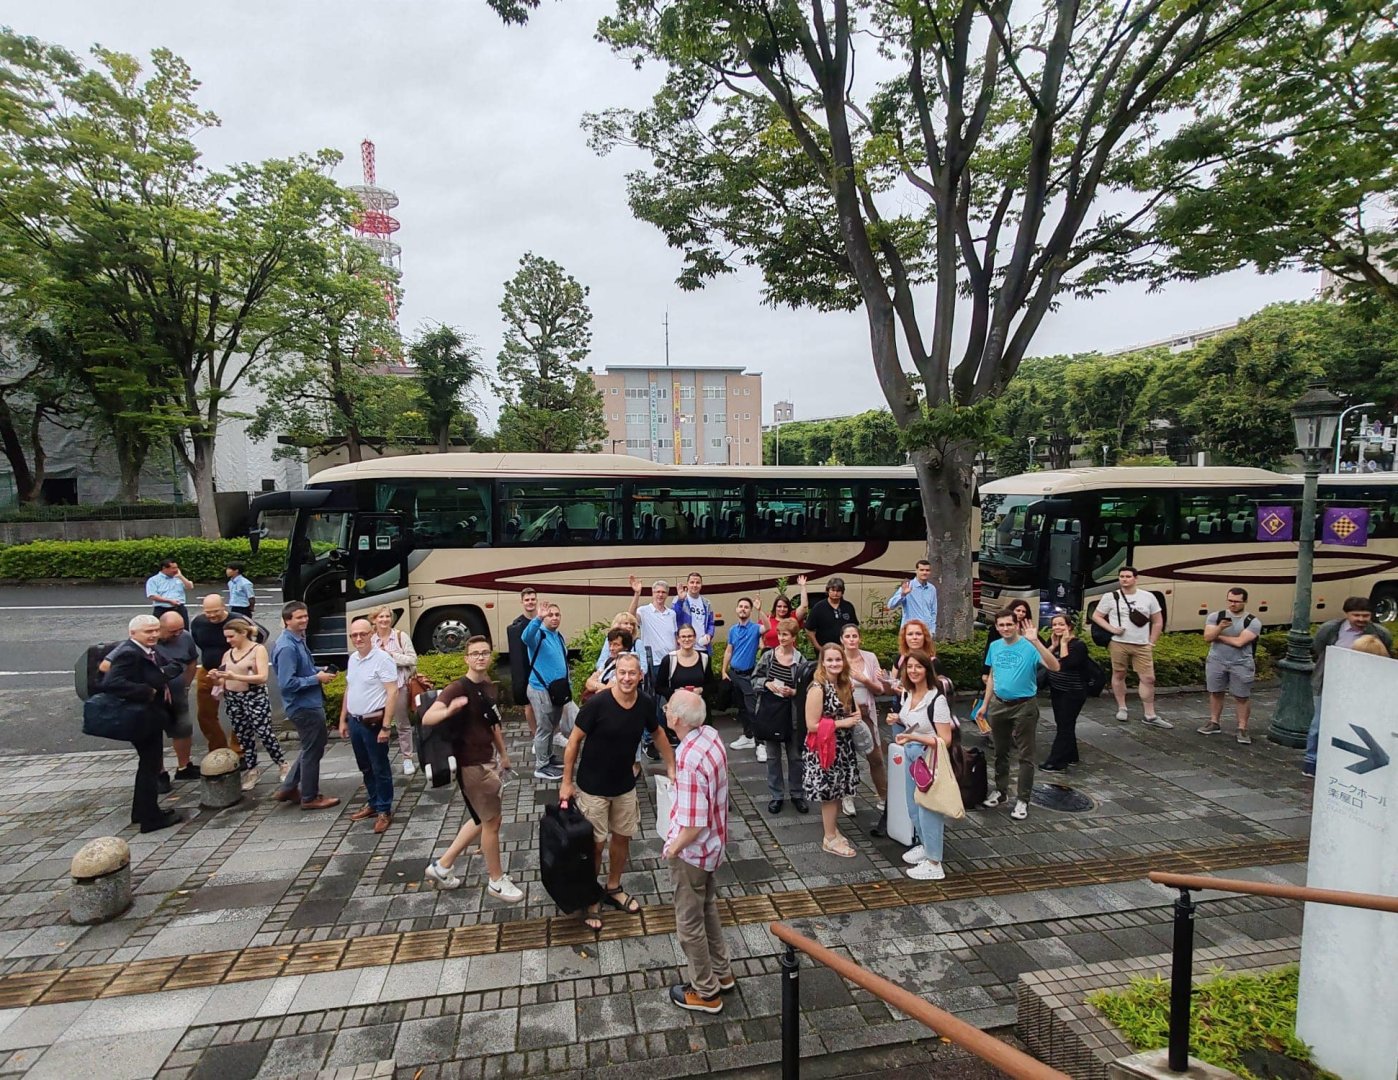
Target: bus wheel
point(1385, 603)
point(446, 630)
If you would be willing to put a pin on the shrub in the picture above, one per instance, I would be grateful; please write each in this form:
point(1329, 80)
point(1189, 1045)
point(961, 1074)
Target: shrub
point(441, 668)
point(202, 561)
point(102, 512)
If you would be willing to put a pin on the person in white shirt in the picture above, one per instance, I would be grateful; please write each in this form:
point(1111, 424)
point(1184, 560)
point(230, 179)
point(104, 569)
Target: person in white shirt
point(366, 713)
point(659, 625)
point(1135, 620)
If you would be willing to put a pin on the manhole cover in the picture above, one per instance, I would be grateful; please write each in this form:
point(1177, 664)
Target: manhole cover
point(1064, 799)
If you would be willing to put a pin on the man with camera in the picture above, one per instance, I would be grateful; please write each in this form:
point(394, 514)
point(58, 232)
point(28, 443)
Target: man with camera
point(1134, 619)
point(1229, 668)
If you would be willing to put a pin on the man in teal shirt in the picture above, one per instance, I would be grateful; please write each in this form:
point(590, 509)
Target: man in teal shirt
point(1011, 707)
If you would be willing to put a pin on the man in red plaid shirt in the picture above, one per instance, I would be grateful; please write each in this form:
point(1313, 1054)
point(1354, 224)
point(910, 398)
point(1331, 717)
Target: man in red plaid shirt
point(694, 846)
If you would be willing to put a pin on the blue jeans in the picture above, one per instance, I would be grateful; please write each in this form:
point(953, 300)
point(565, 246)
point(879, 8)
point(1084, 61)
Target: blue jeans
point(1312, 741)
point(929, 828)
point(372, 758)
point(305, 771)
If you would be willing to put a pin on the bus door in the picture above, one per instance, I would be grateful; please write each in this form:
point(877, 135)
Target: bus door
point(378, 561)
point(1063, 575)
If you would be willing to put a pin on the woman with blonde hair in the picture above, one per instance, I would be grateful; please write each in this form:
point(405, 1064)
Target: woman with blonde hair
point(831, 765)
point(242, 675)
point(400, 650)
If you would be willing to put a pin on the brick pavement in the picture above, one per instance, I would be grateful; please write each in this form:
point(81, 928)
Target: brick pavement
point(263, 912)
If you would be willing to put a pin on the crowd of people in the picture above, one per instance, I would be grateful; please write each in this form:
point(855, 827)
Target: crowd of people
point(811, 721)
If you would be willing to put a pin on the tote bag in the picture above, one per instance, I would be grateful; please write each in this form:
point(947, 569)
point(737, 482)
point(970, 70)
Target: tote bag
point(944, 796)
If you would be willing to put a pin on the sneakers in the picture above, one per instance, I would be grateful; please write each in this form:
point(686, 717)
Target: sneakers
point(187, 772)
point(880, 806)
point(685, 997)
point(1209, 729)
point(915, 855)
point(761, 751)
point(927, 870)
point(548, 772)
point(442, 877)
point(994, 799)
point(1155, 721)
point(729, 986)
point(847, 805)
point(1021, 810)
point(504, 889)
point(560, 741)
point(408, 767)
point(1121, 714)
point(283, 769)
point(1244, 739)
point(249, 779)
point(742, 742)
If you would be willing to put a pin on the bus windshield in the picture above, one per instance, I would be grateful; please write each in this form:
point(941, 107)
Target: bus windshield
point(1011, 526)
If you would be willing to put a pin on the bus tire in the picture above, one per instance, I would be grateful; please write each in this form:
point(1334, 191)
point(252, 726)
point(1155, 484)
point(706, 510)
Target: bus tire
point(1384, 601)
point(445, 630)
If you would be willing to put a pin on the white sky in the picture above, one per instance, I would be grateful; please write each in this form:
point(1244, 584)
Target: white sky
point(477, 130)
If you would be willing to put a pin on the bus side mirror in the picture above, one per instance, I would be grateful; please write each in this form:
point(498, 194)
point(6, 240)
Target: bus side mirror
point(255, 538)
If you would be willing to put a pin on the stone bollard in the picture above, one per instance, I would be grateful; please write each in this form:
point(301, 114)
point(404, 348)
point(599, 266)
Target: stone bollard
point(220, 783)
point(101, 881)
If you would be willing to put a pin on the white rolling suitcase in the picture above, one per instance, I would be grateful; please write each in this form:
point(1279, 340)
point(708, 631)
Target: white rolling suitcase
point(900, 822)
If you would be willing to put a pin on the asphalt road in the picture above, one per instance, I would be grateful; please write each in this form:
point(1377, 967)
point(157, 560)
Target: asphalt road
point(43, 630)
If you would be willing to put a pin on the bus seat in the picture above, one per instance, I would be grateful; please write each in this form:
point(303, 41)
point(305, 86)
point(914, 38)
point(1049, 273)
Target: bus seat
point(613, 529)
point(798, 524)
point(563, 534)
point(1206, 528)
point(661, 527)
point(647, 527)
point(512, 530)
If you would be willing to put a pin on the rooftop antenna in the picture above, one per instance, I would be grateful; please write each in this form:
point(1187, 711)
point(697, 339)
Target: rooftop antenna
point(667, 337)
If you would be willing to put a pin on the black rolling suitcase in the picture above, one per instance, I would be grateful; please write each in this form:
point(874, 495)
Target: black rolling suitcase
point(431, 745)
point(567, 858)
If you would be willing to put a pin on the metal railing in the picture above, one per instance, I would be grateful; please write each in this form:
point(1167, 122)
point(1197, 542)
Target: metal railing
point(1182, 955)
point(989, 1049)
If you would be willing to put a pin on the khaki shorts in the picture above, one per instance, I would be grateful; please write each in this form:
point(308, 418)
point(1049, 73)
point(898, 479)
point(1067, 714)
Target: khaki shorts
point(619, 816)
point(1141, 657)
point(480, 785)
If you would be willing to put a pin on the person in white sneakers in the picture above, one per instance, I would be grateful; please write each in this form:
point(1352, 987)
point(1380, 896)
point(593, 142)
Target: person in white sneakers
point(924, 714)
point(468, 708)
point(1011, 705)
point(1135, 620)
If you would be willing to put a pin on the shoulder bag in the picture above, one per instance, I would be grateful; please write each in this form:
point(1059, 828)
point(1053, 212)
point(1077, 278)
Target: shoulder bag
point(1102, 637)
point(942, 794)
point(560, 691)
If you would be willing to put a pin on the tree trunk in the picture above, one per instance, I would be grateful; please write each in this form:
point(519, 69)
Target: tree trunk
point(201, 471)
point(13, 446)
point(443, 439)
point(947, 484)
point(354, 447)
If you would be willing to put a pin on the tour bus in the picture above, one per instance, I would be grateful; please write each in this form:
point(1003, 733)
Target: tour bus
point(1191, 533)
point(448, 540)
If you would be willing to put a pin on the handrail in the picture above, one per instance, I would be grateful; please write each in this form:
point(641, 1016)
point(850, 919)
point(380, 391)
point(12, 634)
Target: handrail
point(1004, 1057)
point(1285, 892)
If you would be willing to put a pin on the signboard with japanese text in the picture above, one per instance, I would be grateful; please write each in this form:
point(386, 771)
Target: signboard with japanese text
point(1349, 957)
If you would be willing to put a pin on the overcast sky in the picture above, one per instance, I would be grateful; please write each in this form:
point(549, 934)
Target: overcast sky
point(477, 129)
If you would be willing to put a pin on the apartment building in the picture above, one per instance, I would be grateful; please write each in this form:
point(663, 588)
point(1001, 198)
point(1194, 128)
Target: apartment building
point(683, 415)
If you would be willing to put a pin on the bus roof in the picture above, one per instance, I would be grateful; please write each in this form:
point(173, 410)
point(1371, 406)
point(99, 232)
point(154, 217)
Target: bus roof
point(1063, 481)
point(584, 465)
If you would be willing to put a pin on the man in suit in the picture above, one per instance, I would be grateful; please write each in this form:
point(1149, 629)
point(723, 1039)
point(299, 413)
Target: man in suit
point(138, 675)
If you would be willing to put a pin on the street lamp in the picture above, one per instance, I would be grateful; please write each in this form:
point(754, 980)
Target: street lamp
point(730, 440)
point(614, 442)
point(1340, 429)
point(1316, 416)
point(1106, 461)
point(1032, 440)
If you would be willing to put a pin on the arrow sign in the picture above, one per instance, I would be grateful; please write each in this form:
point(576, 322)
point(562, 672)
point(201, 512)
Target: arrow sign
point(1372, 755)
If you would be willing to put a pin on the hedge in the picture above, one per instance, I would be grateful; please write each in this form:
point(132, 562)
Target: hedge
point(202, 561)
point(441, 668)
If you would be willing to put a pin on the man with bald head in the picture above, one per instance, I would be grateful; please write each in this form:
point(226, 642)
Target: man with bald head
point(207, 631)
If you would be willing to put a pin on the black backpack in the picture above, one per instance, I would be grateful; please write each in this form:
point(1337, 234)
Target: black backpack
point(1252, 645)
point(1102, 637)
point(567, 858)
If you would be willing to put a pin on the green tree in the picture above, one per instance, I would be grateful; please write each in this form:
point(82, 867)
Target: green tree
point(1316, 185)
point(447, 364)
point(323, 379)
point(867, 438)
point(974, 169)
point(551, 403)
point(36, 388)
point(170, 276)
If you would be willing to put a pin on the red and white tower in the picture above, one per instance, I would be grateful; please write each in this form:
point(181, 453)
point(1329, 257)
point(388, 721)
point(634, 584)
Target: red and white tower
point(374, 224)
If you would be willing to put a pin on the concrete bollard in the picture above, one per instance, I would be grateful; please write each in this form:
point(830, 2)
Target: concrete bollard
point(220, 783)
point(101, 881)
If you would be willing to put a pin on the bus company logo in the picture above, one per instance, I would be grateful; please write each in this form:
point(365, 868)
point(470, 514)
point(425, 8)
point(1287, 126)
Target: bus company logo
point(1345, 525)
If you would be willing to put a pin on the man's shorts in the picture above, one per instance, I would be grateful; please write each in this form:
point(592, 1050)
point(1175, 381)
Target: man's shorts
point(1140, 657)
point(180, 724)
point(619, 816)
point(480, 787)
point(1235, 679)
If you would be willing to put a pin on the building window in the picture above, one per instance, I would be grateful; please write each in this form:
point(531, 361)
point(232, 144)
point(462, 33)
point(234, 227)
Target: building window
point(687, 392)
point(638, 444)
point(747, 392)
point(747, 440)
point(614, 389)
point(717, 444)
point(662, 392)
point(714, 393)
point(747, 416)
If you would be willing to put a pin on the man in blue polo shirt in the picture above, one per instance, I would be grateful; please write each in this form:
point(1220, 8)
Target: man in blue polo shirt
point(739, 658)
point(917, 598)
point(166, 590)
point(1011, 707)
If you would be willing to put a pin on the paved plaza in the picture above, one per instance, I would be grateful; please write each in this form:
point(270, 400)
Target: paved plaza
point(267, 942)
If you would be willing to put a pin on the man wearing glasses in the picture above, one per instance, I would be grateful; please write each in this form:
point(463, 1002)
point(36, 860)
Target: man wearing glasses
point(468, 709)
point(371, 689)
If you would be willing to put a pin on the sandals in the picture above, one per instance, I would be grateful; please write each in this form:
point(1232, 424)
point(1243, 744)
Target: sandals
point(630, 905)
point(592, 919)
point(838, 846)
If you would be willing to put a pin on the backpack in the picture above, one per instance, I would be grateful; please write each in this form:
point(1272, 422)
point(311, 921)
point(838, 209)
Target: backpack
point(1094, 678)
point(1252, 645)
point(567, 859)
point(1101, 637)
point(969, 766)
point(87, 675)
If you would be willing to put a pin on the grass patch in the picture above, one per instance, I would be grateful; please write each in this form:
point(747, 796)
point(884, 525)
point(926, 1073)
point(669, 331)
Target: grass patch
point(1236, 1021)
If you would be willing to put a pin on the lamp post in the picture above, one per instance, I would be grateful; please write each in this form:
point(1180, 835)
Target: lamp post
point(1316, 416)
point(1032, 440)
point(730, 440)
point(1340, 429)
point(1105, 451)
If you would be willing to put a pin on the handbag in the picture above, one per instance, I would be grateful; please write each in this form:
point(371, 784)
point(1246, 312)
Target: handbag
point(863, 737)
point(943, 793)
point(107, 716)
point(1101, 637)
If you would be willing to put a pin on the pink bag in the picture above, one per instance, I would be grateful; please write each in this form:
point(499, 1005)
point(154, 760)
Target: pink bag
point(921, 774)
